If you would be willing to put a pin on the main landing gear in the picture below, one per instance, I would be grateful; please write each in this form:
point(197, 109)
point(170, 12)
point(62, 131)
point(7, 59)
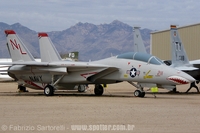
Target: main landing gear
point(49, 90)
point(22, 88)
point(140, 91)
point(98, 90)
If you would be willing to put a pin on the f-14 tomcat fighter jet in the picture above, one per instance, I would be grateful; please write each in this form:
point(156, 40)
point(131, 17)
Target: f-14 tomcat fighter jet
point(145, 69)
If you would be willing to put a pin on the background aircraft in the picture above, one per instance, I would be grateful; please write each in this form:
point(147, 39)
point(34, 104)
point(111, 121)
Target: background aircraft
point(131, 67)
point(179, 57)
point(73, 56)
point(3, 71)
point(138, 42)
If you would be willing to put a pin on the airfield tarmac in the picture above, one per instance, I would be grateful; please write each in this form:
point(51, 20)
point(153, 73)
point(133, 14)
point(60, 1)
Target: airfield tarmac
point(116, 111)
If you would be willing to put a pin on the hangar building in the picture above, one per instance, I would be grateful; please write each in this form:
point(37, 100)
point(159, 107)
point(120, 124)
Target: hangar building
point(190, 36)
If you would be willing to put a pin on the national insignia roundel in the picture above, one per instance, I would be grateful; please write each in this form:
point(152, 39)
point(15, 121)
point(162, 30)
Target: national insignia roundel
point(133, 72)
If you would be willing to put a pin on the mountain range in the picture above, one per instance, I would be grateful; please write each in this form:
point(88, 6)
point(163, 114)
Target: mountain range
point(92, 41)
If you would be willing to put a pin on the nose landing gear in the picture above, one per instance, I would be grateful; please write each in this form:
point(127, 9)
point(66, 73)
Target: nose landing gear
point(140, 91)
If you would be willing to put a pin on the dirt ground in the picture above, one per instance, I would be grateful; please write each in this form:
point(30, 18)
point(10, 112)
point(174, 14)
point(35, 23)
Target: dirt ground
point(116, 111)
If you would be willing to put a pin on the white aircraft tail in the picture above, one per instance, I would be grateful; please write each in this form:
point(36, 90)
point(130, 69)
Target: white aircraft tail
point(138, 42)
point(48, 51)
point(17, 49)
point(179, 56)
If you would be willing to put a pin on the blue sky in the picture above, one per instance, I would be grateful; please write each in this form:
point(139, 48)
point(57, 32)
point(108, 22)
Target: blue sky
point(56, 15)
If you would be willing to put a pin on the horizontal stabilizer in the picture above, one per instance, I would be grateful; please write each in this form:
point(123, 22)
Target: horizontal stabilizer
point(53, 70)
point(186, 68)
point(27, 63)
point(197, 62)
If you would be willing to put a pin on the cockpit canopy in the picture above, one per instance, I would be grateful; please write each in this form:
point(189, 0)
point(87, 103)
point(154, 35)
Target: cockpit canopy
point(141, 57)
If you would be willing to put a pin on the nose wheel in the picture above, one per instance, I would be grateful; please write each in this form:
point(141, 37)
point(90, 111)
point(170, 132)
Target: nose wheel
point(139, 93)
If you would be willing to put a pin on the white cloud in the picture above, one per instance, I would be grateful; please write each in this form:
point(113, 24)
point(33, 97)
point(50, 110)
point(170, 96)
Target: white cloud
point(49, 15)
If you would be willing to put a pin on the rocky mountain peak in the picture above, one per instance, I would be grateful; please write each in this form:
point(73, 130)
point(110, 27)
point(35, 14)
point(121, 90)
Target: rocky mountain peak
point(92, 41)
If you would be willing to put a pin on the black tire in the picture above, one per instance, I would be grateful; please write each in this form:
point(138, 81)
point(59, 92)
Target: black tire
point(98, 90)
point(22, 88)
point(81, 88)
point(49, 90)
point(137, 93)
point(174, 90)
point(142, 94)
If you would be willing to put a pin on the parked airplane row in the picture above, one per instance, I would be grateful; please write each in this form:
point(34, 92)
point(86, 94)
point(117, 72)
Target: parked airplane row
point(52, 73)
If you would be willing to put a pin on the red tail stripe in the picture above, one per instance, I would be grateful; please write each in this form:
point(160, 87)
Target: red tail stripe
point(7, 32)
point(42, 34)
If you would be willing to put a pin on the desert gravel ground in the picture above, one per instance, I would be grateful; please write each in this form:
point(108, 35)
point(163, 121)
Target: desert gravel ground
point(116, 111)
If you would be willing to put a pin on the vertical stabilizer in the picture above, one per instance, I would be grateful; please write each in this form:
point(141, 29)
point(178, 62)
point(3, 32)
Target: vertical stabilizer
point(48, 51)
point(179, 56)
point(16, 47)
point(70, 56)
point(138, 42)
